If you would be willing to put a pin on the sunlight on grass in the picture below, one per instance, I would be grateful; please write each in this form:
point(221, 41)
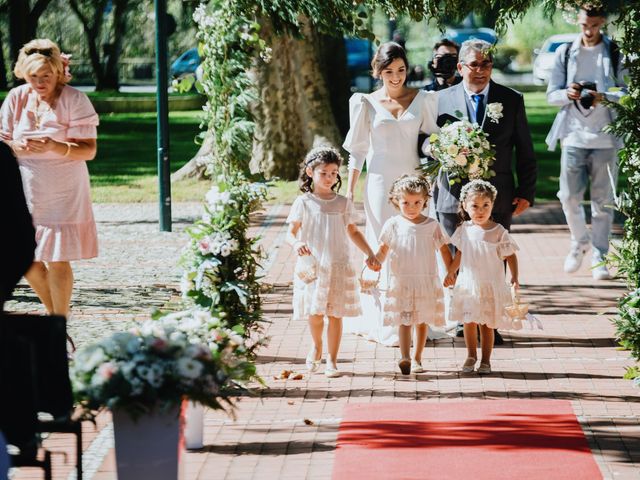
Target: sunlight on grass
point(125, 168)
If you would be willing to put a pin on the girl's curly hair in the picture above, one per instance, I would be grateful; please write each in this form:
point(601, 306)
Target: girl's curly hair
point(409, 184)
point(475, 187)
point(319, 156)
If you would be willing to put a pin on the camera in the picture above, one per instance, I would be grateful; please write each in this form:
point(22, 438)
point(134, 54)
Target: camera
point(444, 65)
point(586, 98)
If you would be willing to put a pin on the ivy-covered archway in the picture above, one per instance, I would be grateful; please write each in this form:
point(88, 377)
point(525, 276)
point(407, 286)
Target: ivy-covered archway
point(235, 45)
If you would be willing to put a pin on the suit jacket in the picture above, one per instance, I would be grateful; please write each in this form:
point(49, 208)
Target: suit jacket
point(510, 135)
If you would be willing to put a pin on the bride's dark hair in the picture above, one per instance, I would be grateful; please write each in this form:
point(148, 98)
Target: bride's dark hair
point(385, 55)
point(319, 156)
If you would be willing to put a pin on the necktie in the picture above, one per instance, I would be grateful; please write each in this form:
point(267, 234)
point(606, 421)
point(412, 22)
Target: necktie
point(478, 101)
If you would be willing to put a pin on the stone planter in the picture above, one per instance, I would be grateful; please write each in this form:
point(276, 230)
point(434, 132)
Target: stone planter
point(150, 447)
point(194, 425)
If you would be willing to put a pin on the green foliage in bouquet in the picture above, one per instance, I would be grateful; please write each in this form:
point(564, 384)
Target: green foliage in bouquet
point(462, 151)
point(188, 355)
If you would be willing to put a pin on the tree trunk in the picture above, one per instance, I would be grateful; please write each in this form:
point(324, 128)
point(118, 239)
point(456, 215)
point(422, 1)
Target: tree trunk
point(333, 55)
point(23, 23)
point(111, 80)
point(197, 166)
point(294, 113)
point(3, 68)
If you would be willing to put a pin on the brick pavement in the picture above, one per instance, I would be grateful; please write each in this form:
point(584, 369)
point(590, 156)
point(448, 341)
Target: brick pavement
point(575, 357)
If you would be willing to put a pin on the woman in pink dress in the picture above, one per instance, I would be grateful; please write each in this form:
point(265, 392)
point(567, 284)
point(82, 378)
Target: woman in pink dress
point(51, 128)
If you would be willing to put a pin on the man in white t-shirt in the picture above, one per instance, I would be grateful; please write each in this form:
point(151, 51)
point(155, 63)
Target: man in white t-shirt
point(584, 75)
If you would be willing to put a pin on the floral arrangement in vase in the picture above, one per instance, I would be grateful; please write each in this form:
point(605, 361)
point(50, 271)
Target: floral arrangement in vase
point(185, 355)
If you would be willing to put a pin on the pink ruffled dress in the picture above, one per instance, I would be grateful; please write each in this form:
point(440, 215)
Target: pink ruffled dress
point(481, 292)
point(56, 188)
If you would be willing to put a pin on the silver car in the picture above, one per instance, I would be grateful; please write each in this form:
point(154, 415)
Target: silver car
point(544, 56)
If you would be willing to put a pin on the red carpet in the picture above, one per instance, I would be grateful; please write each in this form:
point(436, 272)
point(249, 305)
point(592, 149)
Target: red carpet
point(485, 439)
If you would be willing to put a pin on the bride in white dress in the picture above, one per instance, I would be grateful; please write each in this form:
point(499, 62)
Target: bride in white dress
point(384, 135)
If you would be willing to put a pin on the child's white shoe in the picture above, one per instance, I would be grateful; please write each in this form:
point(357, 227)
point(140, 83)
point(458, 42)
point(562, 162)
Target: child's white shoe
point(331, 370)
point(312, 364)
point(484, 369)
point(416, 367)
point(469, 365)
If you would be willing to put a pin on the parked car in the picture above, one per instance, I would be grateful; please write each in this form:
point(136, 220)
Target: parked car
point(186, 63)
point(543, 56)
point(359, 55)
point(460, 35)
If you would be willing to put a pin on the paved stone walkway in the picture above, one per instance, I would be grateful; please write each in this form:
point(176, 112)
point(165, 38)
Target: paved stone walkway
point(289, 429)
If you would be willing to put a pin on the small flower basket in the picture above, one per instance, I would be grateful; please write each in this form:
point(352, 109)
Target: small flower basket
point(517, 311)
point(368, 285)
point(307, 268)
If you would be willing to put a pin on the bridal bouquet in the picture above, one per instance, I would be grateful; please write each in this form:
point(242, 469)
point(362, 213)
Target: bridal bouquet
point(462, 150)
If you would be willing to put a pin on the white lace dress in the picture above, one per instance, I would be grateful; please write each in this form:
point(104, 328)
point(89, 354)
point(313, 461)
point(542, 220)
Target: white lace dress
point(324, 229)
point(388, 147)
point(415, 293)
point(481, 292)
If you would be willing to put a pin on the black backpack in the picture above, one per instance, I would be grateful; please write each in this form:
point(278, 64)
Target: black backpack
point(614, 54)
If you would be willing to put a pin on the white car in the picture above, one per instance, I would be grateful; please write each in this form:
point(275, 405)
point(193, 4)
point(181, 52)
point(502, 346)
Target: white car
point(544, 56)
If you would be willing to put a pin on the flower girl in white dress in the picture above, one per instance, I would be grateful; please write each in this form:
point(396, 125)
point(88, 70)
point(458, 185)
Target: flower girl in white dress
point(414, 296)
point(325, 284)
point(481, 294)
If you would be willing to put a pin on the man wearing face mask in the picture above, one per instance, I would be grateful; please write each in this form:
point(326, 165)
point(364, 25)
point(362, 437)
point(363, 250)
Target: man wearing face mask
point(585, 73)
point(443, 65)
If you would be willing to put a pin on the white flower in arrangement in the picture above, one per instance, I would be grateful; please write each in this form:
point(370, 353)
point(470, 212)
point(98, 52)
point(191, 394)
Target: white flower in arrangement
point(94, 357)
point(460, 160)
point(189, 368)
point(266, 54)
point(494, 111)
point(461, 150)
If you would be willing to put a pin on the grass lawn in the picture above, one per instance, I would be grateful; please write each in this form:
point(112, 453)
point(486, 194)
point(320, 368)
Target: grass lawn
point(125, 167)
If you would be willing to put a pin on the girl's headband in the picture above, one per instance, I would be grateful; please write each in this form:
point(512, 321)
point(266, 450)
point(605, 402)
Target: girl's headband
point(481, 185)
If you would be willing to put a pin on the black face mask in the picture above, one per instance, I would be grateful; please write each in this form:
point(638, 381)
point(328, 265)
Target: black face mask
point(445, 65)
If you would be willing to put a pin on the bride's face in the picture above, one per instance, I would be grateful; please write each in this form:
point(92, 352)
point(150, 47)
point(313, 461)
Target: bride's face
point(394, 75)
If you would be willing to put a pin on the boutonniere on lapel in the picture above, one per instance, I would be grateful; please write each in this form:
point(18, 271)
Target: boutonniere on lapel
point(494, 111)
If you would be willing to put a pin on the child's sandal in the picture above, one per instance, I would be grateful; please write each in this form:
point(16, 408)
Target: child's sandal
point(469, 365)
point(484, 369)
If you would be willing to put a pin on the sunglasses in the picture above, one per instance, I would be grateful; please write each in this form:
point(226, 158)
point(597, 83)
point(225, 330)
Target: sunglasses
point(42, 51)
point(478, 66)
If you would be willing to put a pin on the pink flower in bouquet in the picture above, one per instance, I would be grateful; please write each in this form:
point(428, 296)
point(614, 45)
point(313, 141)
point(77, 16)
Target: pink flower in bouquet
point(66, 60)
point(107, 370)
point(159, 344)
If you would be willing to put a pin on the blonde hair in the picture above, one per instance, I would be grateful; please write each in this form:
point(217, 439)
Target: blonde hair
point(409, 184)
point(39, 53)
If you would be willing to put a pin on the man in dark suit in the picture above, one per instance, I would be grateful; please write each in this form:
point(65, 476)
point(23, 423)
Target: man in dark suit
point(472, 99)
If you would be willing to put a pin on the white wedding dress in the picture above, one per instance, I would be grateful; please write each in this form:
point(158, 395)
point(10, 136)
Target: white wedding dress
point(389, 148)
